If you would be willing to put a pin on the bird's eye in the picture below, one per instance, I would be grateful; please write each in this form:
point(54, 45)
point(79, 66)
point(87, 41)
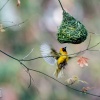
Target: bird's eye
point(64, 49)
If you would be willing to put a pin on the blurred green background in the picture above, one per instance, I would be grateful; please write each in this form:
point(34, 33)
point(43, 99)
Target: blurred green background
point(44, 18)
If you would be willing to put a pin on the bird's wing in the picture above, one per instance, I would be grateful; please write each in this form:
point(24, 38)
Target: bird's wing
point(48, 53)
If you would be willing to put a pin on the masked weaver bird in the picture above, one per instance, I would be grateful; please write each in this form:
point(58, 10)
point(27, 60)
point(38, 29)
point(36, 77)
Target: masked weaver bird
point(51, 56)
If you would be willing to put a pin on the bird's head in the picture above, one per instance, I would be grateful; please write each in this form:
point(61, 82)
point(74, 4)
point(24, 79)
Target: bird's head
point(63, 50)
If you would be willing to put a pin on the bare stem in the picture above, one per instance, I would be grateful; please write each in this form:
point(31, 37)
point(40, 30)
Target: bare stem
point(16, 24)
point(61, 5)
point(28, 69)
point(4, 5)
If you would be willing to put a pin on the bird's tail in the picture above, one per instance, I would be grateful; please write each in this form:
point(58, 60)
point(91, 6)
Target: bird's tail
point(58, 73)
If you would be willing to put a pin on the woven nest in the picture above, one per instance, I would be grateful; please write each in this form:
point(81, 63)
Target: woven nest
point(71, 30)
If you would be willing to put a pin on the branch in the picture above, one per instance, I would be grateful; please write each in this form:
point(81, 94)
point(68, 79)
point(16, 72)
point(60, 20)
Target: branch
point(87, 49)
point(61, 5)
point(4, 5)
point(16, 24)
point(31, 79)
point(59, 81)
point(8, 55)
point(29, 69)
point(89, 41)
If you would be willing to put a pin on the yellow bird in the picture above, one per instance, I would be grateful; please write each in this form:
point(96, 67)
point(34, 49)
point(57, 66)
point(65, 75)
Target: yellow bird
point(51, 56)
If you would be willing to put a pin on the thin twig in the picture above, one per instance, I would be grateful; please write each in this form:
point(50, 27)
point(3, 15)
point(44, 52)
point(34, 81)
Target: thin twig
point(28, 54)
point(94, 50)
point(89, 41)
point(4, 5)
point(30, 79)
point(9, 22)
point(94, 33)
point(85, 49)
point(16, 24)
point(27, 70)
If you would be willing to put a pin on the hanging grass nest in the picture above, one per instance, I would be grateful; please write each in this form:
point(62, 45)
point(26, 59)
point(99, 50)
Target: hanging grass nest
point(71, 30)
